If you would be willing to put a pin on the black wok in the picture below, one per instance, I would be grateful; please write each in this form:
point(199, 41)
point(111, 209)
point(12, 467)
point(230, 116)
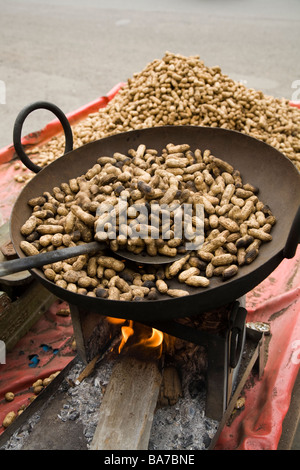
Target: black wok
point(260, 164)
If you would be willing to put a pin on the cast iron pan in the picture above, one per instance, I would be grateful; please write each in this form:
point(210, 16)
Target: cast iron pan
point(260, 164)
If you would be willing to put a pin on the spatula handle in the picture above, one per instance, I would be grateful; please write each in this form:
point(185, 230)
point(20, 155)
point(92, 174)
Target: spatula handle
point(36, 261)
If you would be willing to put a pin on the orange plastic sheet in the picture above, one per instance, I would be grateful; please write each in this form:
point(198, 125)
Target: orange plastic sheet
point(275, 301)
point(9, 190)
point(46, 349)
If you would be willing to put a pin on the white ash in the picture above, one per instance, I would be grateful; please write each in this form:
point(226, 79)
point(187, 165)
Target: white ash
point(184, 425)
point(83, 401)
point(17, 440)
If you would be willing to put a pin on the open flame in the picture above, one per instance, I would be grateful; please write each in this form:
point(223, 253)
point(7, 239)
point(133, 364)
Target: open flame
point(140, 335)
point(127, 331)
point(155, 339)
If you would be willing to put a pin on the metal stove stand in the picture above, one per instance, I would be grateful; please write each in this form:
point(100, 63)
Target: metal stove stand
point(225, 346)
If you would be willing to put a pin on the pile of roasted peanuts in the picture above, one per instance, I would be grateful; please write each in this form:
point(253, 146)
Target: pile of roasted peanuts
point(235, 222)
point(178, 90)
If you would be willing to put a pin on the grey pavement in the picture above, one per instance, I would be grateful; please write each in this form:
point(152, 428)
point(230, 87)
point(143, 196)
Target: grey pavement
point(70, 52)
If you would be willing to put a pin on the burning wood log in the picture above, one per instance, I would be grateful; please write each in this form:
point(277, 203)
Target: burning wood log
point(127, 409)
point(171, 389)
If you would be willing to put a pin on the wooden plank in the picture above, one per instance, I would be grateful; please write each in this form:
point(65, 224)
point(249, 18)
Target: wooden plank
point(127, 408)
point(171, 389)
point(4, 301)
point(93, 332)
point(18, 316)
point(8, 250)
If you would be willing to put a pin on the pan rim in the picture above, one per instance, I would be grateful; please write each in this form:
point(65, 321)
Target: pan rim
point(276, 257)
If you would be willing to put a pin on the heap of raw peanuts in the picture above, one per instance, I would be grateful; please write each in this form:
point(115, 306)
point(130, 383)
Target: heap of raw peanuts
point(178, 90)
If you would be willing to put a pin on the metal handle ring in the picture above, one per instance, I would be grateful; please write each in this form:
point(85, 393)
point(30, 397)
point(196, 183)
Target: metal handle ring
point(17, 132)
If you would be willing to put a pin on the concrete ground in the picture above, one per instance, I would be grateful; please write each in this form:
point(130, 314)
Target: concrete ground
point(70, 52)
